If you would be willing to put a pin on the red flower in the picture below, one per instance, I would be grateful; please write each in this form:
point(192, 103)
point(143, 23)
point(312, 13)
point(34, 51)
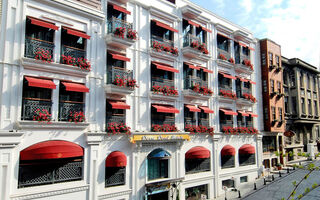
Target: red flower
point(222, 57)
point(120, 32)
point(118, 128)
point(247, 63)
point(163, 128)
point(131, 34)
point(76, 117)
point(231, 60)
point(43, 55)
point(42, 116)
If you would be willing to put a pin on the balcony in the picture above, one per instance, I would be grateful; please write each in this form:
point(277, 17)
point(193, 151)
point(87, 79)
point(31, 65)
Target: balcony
point(245, 65)
point(163, 89)
point(73, 52)
point(194, 87)
point(31, 105)
point(33, 45)
point(194, 48)
point(163, 48)
point(224, 59)
point(117, 81)
point(245, 97)
point(226, 93)
point(120, 34)
point(66, 108)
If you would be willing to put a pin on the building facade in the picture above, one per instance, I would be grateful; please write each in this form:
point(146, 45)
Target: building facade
point(126, 100)
point(301, 89)
point(273, 112)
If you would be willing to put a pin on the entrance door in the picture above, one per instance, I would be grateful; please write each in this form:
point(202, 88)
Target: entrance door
point(159, 196)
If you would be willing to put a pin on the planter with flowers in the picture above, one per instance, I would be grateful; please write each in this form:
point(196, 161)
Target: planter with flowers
point(231, 60)
point(159, 47)
point(202, 90)
point(43, 55)
point(165, 90)
point(201, 47)
point(228, 130)
point(247, 63)
point(118, 128)
point(132, 34)
point(42, 116)
point(163, 128)
point(228, 94)
point(127, 83)
point(82, 63)
point(193, 129)
point(222, 57)
point(76, 117)
point(249, 97)
point(120, 32)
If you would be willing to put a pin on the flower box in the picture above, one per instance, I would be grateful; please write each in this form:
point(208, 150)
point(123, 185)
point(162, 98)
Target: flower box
point(228, 130)
point(43, 55)
point(199, 129)
point(165, 90)
point(163, 128)
point(118, 128)
point(82, 63)
point(42, 116)
point(228, 94)
point(202, 90)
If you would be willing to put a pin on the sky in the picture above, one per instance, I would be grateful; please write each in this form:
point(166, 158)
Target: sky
point(294, 24)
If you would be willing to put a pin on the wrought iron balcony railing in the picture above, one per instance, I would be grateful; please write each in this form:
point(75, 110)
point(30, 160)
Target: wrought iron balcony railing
point(162, 82)
point(225, 87)
point(33, 45)
point(116, 119)
point(226, 123)
point(67, 108)
point(192, 81)
point(121, 73)
point(73, 52)
point(188, 39)
point(31, 105)
point(115, 23)
point(168, 120)
point(223, 52)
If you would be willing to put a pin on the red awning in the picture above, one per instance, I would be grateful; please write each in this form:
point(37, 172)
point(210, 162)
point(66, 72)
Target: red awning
point(121, 9)
point(42, 83)
point(119, 105)
point(228, 111)
point(227, 76)
point(116, 159)
point(197, 152)
point(71, 31)
point(75, 87)
point(205, 29)
point(193, 23)
point(252, 49)
point(120, 57)
point(247, 149)
point(252, 115)
point(193, 108)
point(192, 66)
point(243, 79)
point(165, 67)
point(206, 109)
point(224, 36)
point(53, 149)
point(243, 113)
point(252, 82)
point(228, 150)
point(207, 70)
point(163, 25)
point(39, 22)
point(242, 44)
point(166, 109)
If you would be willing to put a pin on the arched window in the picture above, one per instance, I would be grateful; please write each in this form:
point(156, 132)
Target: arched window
point(116, 164)
point(197, 160)
point(227, 156)
point(158, 164)
point(50, 162)
point(247, 155)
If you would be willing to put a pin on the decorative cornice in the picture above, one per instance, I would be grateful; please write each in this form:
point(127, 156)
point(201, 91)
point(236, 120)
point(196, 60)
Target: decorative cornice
point(51, 125)
point(197, 179)
point(162, 15)
point(121, 193)
point(50, 193)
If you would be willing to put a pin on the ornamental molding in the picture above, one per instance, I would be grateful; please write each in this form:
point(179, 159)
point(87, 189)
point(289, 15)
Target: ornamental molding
point(197, 179)
point(224, 29)
point(167, 17)
point(240, 172)
point(50, 125)
point(121, 193)
point(50, 193)
point(10, 139)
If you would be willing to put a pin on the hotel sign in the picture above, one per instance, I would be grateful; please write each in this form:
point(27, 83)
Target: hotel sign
point(159, 137)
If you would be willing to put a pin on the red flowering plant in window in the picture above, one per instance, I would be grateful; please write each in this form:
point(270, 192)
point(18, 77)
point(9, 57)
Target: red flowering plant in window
point(156, 89)
point(228, 94)
point(247, 63)
point(231, 60)
point(120, 32)
point(69, 60)
point(118, 128)
point(239, 130)
point(165, 90)
point(84, 64)
point(132, 83)
point(42, 115)
point(162, 47)
point(43, 55)
point(196, 88)
point(222, 57)
point(163, 128)
point(203, 48)
point(157, 46)
point(193, 129)
point(205, 91)
point(121, 82)
point(132, 34)
point(249, 97)
point(195, 44)
point(174, 51)
point(76, 117)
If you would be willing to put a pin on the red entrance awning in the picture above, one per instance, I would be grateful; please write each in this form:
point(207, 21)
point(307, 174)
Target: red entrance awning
point(119, 105)
point(197, 152)
point(243, 113)
point(121, 9)
point(252, 114)
point(166, 109)
point(53, 149)
point(71, 31)
point(227, 75)
point(228, 150)
point(191, 66)
point(120, 57)
point(247, 149)
point(206, 109)
point(116, 159)
point(39, 22)
point(165, 67)
point(163, 25)
point(228, 111)
point(38, 82)
point(193, 108)
point(193, 23)
point(75, 87)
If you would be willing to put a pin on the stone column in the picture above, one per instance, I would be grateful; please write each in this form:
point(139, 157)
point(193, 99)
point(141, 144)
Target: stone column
point(259, 152)
point(215, 160)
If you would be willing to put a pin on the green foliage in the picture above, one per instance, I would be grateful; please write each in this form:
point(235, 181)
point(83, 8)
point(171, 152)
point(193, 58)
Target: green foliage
point(294, 183)
point(299, 154)
point(300, 196)
point(283, 198)
point(314, 185)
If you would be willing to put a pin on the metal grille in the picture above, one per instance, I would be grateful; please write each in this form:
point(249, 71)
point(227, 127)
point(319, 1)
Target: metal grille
point(30, 106)
point(167, 120)
point(119, 73)
point(197, 165)
point(66, 108)
point(246, 159)
point(190, 121)
point(73, 52)
point(227, 161)
point(163, 82)
point(192, 81)
point(115, 23)
point(33, 45)
point(115, 176)
point(225, 53)
point(162, 41)
point(116, 119)
point(188, 39)
point(49, 173)
point(204, 122)
point(226, 123)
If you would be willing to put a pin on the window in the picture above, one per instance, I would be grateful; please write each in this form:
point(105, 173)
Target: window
point(279, 87)
point(113, 13)
point(266, 115)
point(272, 85)
point(197, 192)
point(160, 33)
point(292, 79)
point(243, 179)
point(308, 82)
point(286, 104)
point(223, 43)
point(270, 59)
point(225, 120)
point(265, 88)
point(227, 161)
point(301, 80)
point(314, 83)
point(161, 78)
point(309, 107)
point(273, 110)
point(277, 61)
point(158, 164)
point(159, 118)
point(187, 28)
point(247, 159)
point(228, 183)
point(246, 51)
point(197, 165)
point(115, 172)
point(294, 105)
point(280, 114)
point(269, 143)
point(201, 34)
point(315, 106)
point(72, 45)
point(303, 109)
point(224, 83)
point(237, 52)
point(172, 1)
point(115, 115)
point(285, 77)
point(189, 117)
point(53, 168)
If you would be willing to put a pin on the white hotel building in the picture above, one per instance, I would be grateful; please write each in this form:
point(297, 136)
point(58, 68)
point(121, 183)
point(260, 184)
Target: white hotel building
point(194, 70)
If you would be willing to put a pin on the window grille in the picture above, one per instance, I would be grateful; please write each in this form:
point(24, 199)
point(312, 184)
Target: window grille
point(247, 159)
point(115, 176)
point(197, 165)
point(227, 161)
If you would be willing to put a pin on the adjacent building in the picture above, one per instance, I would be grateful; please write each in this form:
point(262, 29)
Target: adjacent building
point(273, 101)
point(132, 100)
point(301, 103)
